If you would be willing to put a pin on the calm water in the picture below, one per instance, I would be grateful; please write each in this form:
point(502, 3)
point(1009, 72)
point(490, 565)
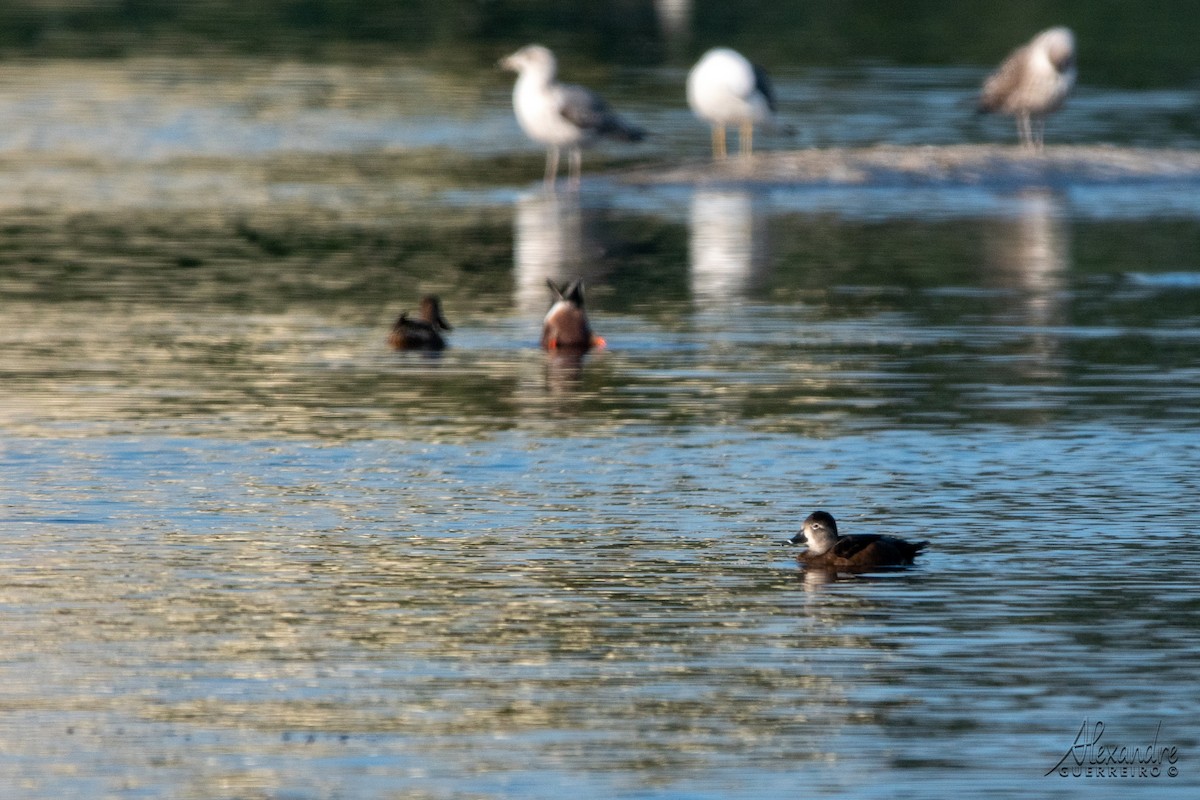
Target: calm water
point(249, 552)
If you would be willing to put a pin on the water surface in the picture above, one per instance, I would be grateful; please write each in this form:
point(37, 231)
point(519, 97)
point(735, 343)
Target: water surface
point(250, 552)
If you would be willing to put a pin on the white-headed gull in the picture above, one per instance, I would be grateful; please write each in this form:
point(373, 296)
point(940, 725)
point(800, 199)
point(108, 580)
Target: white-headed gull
point(724, 88)
point(559, 114)
point(1032, 82)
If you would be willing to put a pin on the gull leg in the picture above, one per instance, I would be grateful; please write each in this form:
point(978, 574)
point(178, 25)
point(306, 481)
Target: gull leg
point(1039, 135)
point(718, 142)
point(1024, 129)
point(746, 140)
point(551, 166)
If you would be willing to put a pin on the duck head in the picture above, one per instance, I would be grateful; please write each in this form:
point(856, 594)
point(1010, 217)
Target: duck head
point(819, 532)
point(431, 312)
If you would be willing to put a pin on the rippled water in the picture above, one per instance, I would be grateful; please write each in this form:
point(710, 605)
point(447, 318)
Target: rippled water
point(250, 552)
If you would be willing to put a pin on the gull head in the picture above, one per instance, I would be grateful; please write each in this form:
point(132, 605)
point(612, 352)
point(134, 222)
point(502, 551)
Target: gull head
point(532, 57)
point(1059, 46)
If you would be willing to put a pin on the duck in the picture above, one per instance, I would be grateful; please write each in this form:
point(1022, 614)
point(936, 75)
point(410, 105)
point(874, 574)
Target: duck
point(560, 115)
point(423, 333)
point(828, 550)
point(1033, 81)
point(726, 88)
point(566, 327)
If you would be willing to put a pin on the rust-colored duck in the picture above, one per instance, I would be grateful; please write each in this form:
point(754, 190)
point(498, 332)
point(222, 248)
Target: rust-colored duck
point(566, 328)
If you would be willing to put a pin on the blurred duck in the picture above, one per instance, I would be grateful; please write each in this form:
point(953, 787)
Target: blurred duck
point(566, 328)
point(558, 114)
point(724, 88)
point(423, 333)
point(1032, 82)
point(827, 549)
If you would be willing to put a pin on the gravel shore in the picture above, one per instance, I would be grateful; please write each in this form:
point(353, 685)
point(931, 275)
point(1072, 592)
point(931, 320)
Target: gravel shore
point(955, 165)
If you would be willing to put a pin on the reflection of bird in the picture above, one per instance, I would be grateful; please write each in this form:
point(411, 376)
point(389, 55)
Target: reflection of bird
point(1030, 252)
point(547, 243)
point(674, 23)
point(423, 333)
point(827, 549)
point(726, 89)
point(1032, 82)
point(558, 114)
point(726, 239)
point(566, 327)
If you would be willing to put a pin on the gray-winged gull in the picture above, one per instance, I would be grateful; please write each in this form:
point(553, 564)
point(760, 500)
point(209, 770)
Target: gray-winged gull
point(724, 88)
point(560, 114)
point(1033, 81)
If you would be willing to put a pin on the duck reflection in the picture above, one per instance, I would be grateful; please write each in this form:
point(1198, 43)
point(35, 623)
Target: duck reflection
point(564, 374)
point(815, 578)
point(1030, 255)
point(812, 578)
point(727, 245)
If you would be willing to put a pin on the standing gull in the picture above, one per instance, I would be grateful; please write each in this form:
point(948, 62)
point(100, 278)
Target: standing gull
point(1033, 82)
point(560, 114)
point(724, 88)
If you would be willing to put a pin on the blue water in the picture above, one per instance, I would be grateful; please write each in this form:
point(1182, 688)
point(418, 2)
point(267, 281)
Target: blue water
point(610, 611)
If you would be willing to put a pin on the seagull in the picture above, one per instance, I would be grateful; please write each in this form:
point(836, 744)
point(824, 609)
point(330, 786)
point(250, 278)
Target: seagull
point(560, 114)
point(1032, 82)
point(725, 88)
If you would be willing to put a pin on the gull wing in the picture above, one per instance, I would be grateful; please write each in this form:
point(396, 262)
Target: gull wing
point(1004, 81)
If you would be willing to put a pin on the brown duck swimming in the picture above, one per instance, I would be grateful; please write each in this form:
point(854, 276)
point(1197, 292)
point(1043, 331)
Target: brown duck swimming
point(566, 328)
point(423, 333)
point(827, 549)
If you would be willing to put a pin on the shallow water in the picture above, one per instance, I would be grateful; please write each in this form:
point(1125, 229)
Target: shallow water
point(249, 552)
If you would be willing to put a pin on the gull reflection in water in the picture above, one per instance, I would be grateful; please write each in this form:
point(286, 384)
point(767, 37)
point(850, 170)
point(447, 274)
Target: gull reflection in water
point(1029, 254)
point(727, 245)
point(549, 242)
point(675, 24)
